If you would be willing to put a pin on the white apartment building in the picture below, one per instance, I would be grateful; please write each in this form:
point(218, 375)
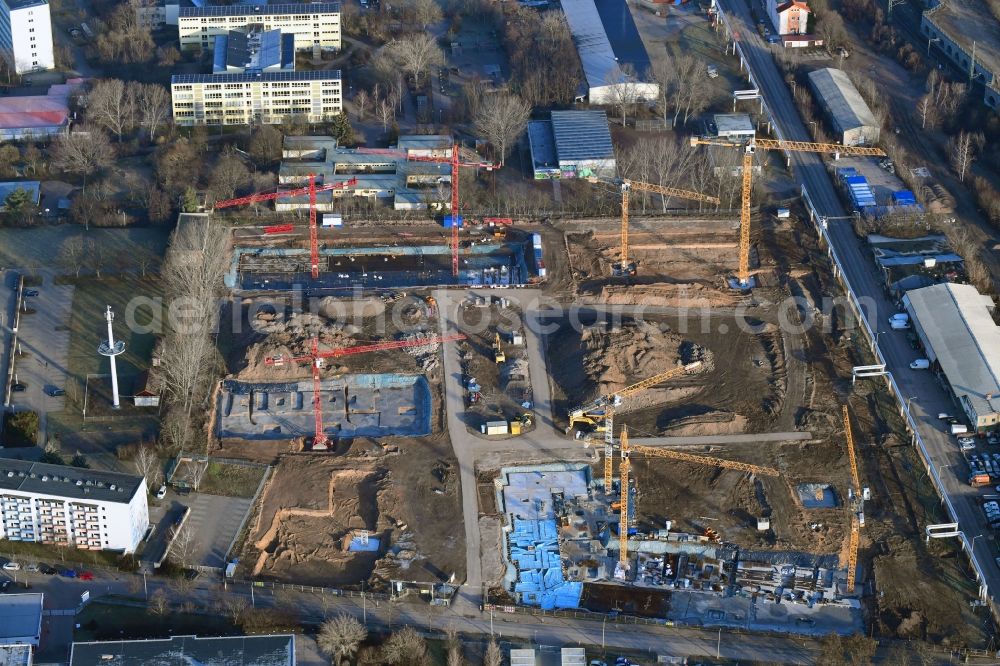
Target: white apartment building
point(26, 34)
point(269, 97)
point(313, 24)
point(85, 508)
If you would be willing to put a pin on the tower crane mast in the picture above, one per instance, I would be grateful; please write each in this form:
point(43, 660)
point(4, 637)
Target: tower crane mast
point(315, 359)
point(624, 266)
point(310, 190)
point(749, 149)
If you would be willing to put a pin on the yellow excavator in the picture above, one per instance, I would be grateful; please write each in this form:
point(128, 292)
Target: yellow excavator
point(592, 417)
point(498, 354)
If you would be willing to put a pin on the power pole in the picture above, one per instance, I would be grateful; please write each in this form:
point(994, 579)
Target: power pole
point(891, 4)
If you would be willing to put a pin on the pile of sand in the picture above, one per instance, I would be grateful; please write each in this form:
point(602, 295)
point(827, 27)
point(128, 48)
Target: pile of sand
point(681, 295)
point(616, 357)
point(289, 337)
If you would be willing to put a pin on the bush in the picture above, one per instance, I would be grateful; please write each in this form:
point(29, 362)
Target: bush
point(21, 429)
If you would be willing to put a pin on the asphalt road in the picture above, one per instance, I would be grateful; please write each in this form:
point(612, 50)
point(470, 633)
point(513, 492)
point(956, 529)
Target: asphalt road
point(524, 629)
point(926, 397)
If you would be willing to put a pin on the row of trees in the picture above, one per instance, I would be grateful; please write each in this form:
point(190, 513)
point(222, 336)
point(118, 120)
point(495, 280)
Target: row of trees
point(545, 68)
point(121, 107)
point(197, 259)
point(341, 638)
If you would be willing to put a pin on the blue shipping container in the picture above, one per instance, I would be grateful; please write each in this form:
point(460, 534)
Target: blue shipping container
point(449, 223)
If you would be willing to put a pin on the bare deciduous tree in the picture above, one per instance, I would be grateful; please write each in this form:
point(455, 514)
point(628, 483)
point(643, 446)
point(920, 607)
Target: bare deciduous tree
point(72, 255)
point(415, 53)
point(152, 102)
point(340, 636)
point(423, 12)
point(112, 105)
point(83, 152)
point(197, 471)
point(361, 101)
point(493, 655)
point(183, 546)
point(228, 175)
point(235, 608)
point(386, 112)
point(147, 464)
point(624, 87)
point(405, 646)
point(158, 603)
point(502, 119)
point(962, 151)
point(265, 144)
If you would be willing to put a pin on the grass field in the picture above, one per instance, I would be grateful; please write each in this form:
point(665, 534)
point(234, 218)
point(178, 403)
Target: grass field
point(224, 479)
point(88, 330)
point(104, 622)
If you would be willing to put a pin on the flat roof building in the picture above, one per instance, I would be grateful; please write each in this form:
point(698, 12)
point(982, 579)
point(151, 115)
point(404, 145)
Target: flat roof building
point(959, 336)
point(33, 117)
point(253, 96)
point(853, 122)
point(268, 51)
point(26, 34)
point(265, 650)
point(734, 126)
point(21, 618)
point(411, 185)
point(572, 144)
point(315, 25)
point(85, 508)
point(606, 40)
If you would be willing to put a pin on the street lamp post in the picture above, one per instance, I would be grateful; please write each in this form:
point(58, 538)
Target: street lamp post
point(908, 401)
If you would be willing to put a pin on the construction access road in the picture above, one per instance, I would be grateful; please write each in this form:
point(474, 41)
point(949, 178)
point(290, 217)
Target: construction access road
point(545, 442)
point(919, 389)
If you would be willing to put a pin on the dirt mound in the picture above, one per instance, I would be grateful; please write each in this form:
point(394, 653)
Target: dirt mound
point(345, 310)
point(291, 336)
point(687, 294)
point(618, 356)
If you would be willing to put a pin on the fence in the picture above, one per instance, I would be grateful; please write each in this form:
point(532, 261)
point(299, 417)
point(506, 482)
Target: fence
point(12, 351)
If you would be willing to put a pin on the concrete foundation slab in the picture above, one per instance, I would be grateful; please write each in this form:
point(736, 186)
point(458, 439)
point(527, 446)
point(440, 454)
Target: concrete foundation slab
point(363, 405)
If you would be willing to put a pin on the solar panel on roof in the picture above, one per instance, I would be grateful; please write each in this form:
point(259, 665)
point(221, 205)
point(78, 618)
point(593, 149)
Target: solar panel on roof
point(181, 79)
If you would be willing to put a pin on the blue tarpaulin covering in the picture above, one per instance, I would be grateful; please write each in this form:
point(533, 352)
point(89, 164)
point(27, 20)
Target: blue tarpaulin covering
point(534, 550)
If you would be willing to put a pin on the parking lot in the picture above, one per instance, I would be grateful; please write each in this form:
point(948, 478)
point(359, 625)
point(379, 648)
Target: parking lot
point(213, 523)
point(43, 339)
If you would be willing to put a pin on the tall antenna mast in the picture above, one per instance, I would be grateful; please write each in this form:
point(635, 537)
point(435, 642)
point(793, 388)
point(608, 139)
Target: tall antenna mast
point(110, 348)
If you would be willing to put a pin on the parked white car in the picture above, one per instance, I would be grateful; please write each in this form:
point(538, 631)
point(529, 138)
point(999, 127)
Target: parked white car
point(12, 566)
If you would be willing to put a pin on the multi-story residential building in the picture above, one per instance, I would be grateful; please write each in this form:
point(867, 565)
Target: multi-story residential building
point(260, 97)
point(315, 25)
point(26, 34)
point(85, 508)
point(253, 80)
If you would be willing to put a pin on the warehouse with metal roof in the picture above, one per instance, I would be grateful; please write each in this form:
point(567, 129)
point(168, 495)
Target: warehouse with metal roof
point(265, 650)
point(573, 144)
point(956, 329)
point(852, 121)
point(607, 40)
point(21, 618)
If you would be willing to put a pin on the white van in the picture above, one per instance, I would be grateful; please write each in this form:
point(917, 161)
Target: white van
point(958, 429)
point(899, 324)
point(920, 364)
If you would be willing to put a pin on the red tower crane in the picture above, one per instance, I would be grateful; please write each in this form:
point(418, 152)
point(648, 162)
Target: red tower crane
point(455, 162)
point(311, 190)
point(315, 359)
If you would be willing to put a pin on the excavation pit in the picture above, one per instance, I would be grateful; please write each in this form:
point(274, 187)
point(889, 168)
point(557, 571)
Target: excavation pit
point(817, 495)
point(347, 268)
point(359, 405)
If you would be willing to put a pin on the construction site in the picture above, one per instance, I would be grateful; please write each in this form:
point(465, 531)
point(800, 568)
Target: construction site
point(675, 442)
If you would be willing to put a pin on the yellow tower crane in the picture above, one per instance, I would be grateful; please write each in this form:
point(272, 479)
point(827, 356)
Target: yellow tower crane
point(598, 415)
point(625, 469)
point(624, 266)
point(856, 506)
point(749, 148)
